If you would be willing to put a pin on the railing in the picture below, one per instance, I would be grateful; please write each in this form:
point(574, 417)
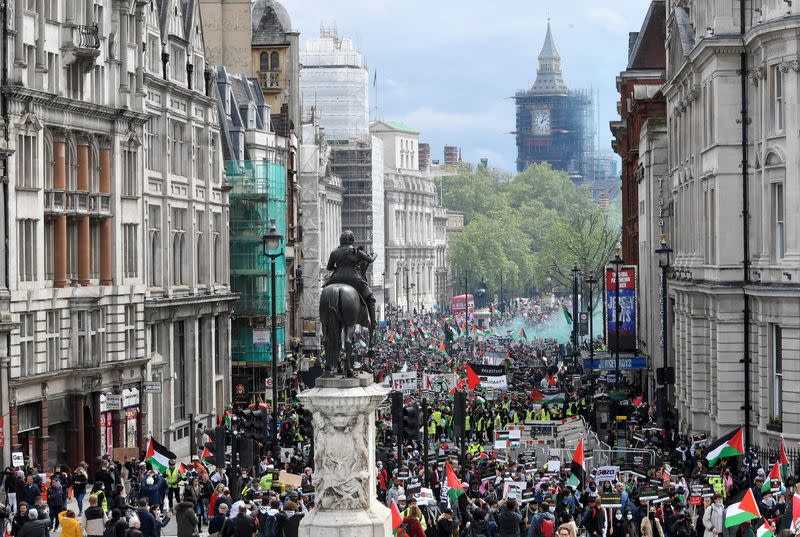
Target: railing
point(100, 203)
point(54, 201)
point(88, 36)
point(77, 202)
point(269, 80)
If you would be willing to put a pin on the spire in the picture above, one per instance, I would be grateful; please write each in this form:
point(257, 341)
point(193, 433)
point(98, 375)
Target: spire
point(549, 50)
point(548, 75)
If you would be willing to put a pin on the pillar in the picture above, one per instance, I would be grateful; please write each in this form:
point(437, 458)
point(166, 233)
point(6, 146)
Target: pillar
point(83, 221)
point(106, 277)
point(60, 223)
point(344, 459)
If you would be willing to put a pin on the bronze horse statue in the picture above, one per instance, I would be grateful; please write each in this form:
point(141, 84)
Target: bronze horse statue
point(341, 308)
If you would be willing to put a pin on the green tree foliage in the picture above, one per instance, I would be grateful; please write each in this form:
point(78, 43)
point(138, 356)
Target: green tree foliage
point(530, 229)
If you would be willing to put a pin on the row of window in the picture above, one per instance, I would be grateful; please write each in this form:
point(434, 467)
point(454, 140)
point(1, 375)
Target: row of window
point(27, 169)
point(184, 151)
point(86, 331)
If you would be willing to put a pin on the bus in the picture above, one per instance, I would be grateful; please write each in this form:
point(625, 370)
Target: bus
point(459, 303)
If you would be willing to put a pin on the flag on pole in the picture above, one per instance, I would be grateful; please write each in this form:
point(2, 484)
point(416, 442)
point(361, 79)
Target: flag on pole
point(540, 398)
point(454, 489)
point(638, 401)
point(795, 513)
point(158, 456)
point(567, 314)
point(774, 475)
point(576, 467)
point(522, 333)
point(743, 508)
point(783, 461)
point(397, 517)
point(205, 455)
point(764, 530)
point(730, 445)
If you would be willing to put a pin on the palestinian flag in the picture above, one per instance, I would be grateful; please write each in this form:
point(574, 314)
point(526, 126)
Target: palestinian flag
point(454, 489)
point(158, 456)
point(501, 440)
point(442, 349)
point(183, 469)
point(638, 401)
point(665, 475)
point(567, 314)
point(541, 398)
point(783, 462)
point(522, 333)
point(742, 509)
point(795, 513)
point(397, 517)
point(391, 338)
point(225, 419)
point(730, 445)
point(774, 476)
point(764, 530)
point(576, 467)
point(486, 376)
point(552, 380)
point(205, 455)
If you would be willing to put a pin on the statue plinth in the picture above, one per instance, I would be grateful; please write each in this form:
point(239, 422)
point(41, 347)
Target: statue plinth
point(346, 504)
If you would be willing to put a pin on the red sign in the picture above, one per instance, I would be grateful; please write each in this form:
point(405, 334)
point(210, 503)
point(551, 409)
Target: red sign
point(627, 279)
point(2, 431)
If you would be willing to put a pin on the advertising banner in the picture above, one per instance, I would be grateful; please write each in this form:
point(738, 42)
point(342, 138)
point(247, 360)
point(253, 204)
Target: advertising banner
point(627, 308)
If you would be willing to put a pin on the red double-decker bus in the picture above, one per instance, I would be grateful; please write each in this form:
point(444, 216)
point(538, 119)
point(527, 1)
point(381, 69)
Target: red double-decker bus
point(459, 303)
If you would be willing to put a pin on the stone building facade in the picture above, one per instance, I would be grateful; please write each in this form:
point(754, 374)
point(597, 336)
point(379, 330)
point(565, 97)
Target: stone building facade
point(185, 228)
point(728, 314)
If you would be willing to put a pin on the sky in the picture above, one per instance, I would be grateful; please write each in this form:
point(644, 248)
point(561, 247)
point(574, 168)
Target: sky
point(449, 67)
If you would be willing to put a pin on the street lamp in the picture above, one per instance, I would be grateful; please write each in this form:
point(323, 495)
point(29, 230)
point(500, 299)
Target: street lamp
point(385, 296)
point(502, 304)
point(590, 281)
point(419, 304)
point(396, 289)
point(575, 272)
point(663, 252)
point(616, 266)
point(270, 242)
point(408, 293)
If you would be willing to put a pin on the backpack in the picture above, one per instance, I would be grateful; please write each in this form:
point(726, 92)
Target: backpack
point(110, 531)
point(546, 527)
point(270, 527)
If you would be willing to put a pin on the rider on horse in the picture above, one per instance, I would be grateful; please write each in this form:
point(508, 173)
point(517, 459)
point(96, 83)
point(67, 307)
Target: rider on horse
point(348, 264)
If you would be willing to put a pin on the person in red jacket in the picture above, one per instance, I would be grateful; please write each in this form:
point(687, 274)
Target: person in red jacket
point(412, 522)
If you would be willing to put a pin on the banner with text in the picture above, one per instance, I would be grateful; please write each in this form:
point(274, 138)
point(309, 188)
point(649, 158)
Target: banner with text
point(627, 308)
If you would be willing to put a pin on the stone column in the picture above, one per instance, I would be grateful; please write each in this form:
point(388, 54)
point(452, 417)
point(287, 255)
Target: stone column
point(344, 459)
point(83, 221)
point(106, 270)
point(60, 223)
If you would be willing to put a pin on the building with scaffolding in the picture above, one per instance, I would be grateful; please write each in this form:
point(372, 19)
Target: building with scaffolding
point(334, 83)
point(256, 169)
point(555, 124)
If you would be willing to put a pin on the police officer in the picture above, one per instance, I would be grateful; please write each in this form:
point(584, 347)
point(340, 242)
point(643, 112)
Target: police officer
point(174, 478)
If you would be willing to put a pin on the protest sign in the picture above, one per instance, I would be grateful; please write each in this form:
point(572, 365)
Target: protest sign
point(606, 473)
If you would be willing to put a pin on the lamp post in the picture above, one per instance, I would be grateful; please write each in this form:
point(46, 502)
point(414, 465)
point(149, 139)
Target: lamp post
point(466, 305)
point(419, 304)
point(408, 294)
point(396, 289)
point(270, 242)
point(575, 272)
point(385, 296)
point(502, 304)
point(616, 266)
point(663, 252)
point(590, 281)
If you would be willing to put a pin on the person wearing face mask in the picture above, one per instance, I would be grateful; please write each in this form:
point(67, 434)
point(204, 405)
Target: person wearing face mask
point(650, 525)
point(544, 523)
point(768, 506)
point(713, 517)
point(631, 528)
point(618, 524)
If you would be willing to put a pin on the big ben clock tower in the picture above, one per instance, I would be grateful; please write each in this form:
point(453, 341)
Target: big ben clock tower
point(551, 119)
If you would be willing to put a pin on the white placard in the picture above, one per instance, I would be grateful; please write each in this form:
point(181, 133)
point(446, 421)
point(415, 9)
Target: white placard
point(404, 382)
point(18, 459)
point(606, 473)
point(553, 467)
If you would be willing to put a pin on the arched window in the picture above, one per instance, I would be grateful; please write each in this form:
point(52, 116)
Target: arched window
point(275, 61)
point(264, 62)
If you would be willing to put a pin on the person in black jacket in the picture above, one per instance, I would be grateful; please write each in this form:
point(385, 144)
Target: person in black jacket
point(20, 518)
point(220, 523)
point(118, 522)
point(289, 520)
point(509, 520)
point(243, 525)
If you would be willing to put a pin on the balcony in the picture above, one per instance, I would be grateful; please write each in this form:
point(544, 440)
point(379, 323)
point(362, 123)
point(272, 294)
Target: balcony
point(77, 202)
point(270, 80)
point(84, 47)
point(54, 202)
point(100, 204)
point(59, 202)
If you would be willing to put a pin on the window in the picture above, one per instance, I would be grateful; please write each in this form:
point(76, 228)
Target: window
point(263, 63)
point(72, 250)
point(275, 61)
point(178, 246)
point(96, 336)
point(27, 344)
point(777, 370)
point(30, 52)
point(777, 98)
point(53, 69)
point(98, 85)
point(53, 340)
point(711, 226)
point(199, 74)
point(778, 246)
point(176, 129)
point(154, 246)
point(711, 115)
point(177, 59)
point(129, 182)
point(199, 155)
point(152, 145)
point(214, 163)
point(218, 254)
point(154, 54)
point(27, 161)
point(49, 229)
point(155, 339)
point(129, 250)
point(75, 78)
point(129, 328)
point(202, 260)
point(179, 370)
point(26, 250)
point(94, 249)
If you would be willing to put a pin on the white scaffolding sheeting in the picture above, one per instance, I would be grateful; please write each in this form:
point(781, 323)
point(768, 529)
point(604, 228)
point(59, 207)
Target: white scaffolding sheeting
point(335, 81)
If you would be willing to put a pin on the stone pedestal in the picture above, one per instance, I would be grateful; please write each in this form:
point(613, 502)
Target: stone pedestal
point(344, 459)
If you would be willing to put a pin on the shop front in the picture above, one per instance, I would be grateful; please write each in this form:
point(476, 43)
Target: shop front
point(59, 429)
point(29, 431)
point(131, 437)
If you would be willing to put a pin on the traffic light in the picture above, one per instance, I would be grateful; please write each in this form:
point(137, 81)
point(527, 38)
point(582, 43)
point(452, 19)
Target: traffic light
point(397, 413)
point(260, 425)
point(307, 424)
point(215, 446)
point(459, 412)
point(244, 445)
point(411, 422)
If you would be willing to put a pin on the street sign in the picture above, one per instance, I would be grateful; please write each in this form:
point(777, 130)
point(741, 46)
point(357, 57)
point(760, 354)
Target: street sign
point(583, 319)
point(268, 382)
point(151, 387)
point(113, 401)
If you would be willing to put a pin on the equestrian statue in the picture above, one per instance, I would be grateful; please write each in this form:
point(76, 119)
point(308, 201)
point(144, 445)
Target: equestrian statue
point(346, 301)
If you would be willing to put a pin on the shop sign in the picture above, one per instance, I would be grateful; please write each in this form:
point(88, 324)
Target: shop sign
point(130, 397)
point(261, 338)
point(152, 387)
point(111, 401)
